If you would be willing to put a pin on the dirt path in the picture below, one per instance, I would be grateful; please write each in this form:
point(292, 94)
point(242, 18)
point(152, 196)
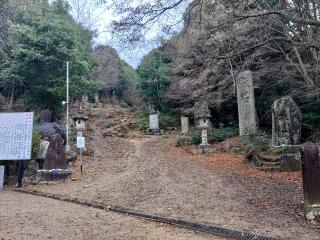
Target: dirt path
point(27, 217)
point(145, 174)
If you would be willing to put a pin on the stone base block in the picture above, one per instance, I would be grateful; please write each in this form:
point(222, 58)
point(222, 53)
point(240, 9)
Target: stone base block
point(150, 131)
point(206, 148)
point(196, 151)
point(53, 175)
point(312, 214)
point(290, 163)
point(185, 139)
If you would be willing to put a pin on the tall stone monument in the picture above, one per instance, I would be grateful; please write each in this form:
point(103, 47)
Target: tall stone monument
point(185, 137)
point(310, 171)
point(246, 104)
point(286, 122)
point(184, 125)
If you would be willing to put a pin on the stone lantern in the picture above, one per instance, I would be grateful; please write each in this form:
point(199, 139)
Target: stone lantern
point(80, 123)
point(202, 117)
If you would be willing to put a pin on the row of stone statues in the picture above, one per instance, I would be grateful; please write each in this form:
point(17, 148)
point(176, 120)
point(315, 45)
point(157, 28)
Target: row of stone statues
point(286, 116)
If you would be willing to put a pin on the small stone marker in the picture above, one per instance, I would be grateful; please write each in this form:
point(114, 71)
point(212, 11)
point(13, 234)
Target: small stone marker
point(154, 121)
point(311, 180)
point(184, 125)
point(286, 122)
point(1, 177)
point(246, 104)
point(96, 97)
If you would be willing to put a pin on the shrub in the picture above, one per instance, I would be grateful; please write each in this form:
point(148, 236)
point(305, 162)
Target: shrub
point(220, 134)
point(36, 139)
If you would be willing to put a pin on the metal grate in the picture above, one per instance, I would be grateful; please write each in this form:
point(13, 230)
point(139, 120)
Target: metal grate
point(198, 227)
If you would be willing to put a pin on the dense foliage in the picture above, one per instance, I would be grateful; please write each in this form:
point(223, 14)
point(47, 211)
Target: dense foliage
point(41, 40)
point(154, 72)
point(277, 40)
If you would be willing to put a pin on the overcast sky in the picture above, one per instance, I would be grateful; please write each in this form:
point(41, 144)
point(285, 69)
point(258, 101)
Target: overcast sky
point(102, 18)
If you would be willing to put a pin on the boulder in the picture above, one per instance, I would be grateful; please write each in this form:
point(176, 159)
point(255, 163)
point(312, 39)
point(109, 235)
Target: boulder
point(55, 157)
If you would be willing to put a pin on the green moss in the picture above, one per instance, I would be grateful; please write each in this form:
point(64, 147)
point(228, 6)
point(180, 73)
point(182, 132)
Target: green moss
point(284, 150)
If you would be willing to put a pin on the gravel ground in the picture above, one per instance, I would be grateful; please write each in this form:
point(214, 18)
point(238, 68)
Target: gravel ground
point(27, 217)
point(149, 175)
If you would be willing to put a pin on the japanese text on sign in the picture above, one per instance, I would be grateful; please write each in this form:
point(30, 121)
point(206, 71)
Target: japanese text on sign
point(16, 136)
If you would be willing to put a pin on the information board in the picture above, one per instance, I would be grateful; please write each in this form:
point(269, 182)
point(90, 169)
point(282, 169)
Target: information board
point(16, 136)
point(80, 142)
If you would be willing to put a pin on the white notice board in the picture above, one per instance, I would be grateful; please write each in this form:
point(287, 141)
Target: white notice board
point(16, 136)
point(81, 142)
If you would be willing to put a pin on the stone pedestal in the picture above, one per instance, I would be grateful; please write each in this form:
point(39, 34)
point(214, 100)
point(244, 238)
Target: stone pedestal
point(246, 104)
point(205, 146)
point(286, 122)
point(204, 137)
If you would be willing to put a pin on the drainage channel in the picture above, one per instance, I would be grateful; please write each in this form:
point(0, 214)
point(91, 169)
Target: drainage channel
point(197, 227)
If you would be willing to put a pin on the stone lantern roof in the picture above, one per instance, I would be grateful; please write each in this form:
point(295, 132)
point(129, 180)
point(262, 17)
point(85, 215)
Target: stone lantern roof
point(80, 116)
point(201, 110)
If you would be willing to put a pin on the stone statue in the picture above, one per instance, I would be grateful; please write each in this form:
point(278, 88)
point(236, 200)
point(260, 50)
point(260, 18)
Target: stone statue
point(286, 122)
point(53, 153)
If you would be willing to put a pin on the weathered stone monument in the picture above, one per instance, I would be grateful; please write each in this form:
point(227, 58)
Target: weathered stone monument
point(286, 122)
point(202, 117)
point(55, 157)
point(246, 104)
point(52, 153)
point(154, 121)
point(185, 138)
point(311, 181)
point(184, 125)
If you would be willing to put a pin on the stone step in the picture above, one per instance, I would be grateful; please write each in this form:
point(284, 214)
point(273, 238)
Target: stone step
point(274, 164)
point(269, 168)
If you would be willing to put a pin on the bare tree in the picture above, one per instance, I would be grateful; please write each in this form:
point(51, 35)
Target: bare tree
point(88, 13)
